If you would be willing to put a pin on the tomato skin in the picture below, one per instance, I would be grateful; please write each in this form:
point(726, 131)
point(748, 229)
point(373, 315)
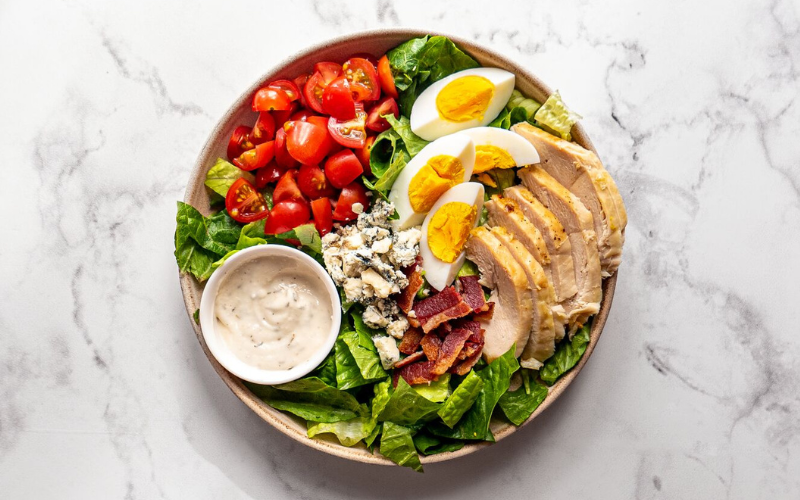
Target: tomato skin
point(352, 193)
point(312, 182)
point(369, 57)
point(284, 115)
point(271, 99)
point(287, 189)
point(363, 79)
point(257, 157)
point(329, 70)
point(386, 78)
point(307, 142)
point(350, 133)
point(300, 81)
point(337, 100)
point(343, 168)
point(288, 87)
point(267, 175)
point(244, 203)
point(303, 115)
point(287, 215)
point(324, 74)
point(323, 215)
point(264, 129)
point(363, 154)
point(282, 156)
point(239, 141)
point(385, 106)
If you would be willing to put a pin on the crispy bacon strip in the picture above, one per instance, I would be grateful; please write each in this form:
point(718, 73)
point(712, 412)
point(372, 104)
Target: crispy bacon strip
point(444, 306)
point(410, 341)
point(469, 349)
point(406, 300)
point(465, 366)
point(486, 314)
point(417, 373)
point(451, 347)
point(472, 292)
point(409, 359)
point(430, 345)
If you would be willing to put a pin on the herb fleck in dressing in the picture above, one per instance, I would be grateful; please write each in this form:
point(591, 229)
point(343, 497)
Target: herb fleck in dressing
point(273, 313)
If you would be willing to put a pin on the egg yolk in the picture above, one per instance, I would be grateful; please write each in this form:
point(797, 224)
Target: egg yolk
point(437, 176)
point(449, 229)
point(488, 157)
point(465, 99)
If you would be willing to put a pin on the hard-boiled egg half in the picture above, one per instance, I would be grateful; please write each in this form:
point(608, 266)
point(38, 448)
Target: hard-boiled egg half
point(466, 99)
point(445, 232)
point(499, 148)
point(438, 167)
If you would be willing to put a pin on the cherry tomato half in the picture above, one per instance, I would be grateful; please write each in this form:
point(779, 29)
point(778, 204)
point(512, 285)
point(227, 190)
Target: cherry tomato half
point(267, 175)
point(264, 129)
point(386, 106)
point(337, 100)
point(350, 133)
point(300, 81)
point(257, 157)
point(244, 203)
point(312, 182)
point(351, 194)
point(287, 188)
point(367, 56)
point(323, 216)
point(239, 141)
point(286, 215)
point(303, 115)
point(324, 74)
point(363, 79)
point(284, 115)
point(288, 87)
point(343, 168)
point(282, 156)
point(328, 70)
point(386, 78)
point(307, 142)
point(271, 99)
point(363, 154)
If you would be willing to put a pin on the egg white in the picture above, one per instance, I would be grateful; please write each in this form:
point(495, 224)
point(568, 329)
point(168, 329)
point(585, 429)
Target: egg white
point(460, 147)
point(428, 124)
point(438, 272)
point(520, 149)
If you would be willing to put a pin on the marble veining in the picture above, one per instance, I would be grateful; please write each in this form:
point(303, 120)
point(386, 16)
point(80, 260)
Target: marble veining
point(691, 393)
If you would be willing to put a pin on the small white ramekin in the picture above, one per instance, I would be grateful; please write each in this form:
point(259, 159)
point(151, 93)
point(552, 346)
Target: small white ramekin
point(218, 346)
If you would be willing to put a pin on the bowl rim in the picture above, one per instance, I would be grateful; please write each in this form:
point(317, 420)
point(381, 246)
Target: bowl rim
point(278, 419)
point(220, 349)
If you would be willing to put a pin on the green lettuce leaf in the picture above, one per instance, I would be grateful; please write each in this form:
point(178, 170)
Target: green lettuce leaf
point(518, 405)
point(363, 349)
point(503, 120)
point(404, 61)
point(348, 375)
point(442, 58)
point(399, 162)
point(382, 152)
point(428, 444)
point(306, 234)
point(307, 390)
point(199, 241)
point(223, 174)
point(326, 371)
point(567, 355)
point(313, 412)
point(518, 100)
point(413, 143)
point(348, 432)
point(398, 446)
point(406, 406)
point(556, 116)
point(468, 269)
point(436, 391)
point(502, 178)
point(462, 399)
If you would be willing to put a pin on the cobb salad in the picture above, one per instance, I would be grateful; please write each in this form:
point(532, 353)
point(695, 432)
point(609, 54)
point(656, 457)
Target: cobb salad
point(466, 234)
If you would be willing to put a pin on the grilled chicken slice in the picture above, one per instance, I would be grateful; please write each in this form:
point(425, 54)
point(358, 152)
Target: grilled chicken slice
point(581, 171)
point(541, 343)
point(504, 212)
point(513, 311)
point(577, 222)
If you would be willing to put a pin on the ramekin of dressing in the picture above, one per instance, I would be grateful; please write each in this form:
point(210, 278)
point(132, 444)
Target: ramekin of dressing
point(270, 314)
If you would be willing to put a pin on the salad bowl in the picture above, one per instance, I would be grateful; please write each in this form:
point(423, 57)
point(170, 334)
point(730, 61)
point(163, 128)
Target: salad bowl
point(338, 49)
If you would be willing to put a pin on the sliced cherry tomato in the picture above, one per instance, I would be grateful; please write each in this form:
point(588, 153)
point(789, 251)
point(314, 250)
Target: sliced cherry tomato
point(303, 115)
point(257, 157)
point(287, 188)
point(337, 100)
point(386, 78)
point(343, 168)
point(283, 116)
point(363, 154)
point(267, 175)
point(323, 216)
point(271, 99)
point(264, 129)
point(363, 79)
point(286, 215)
point(322, 121)
point(324, 74)
point(376, 120)
point(282, 156)
point(369, 57)
point(300, 81)
point(351, 194)
point(239, 141)
point(307, 142)
point(329, 70)
point(350, 133)
point(244, 203)
point(288, 87)
point(312, 182)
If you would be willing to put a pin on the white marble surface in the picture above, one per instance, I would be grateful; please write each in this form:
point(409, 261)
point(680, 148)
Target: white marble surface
point(691, 393)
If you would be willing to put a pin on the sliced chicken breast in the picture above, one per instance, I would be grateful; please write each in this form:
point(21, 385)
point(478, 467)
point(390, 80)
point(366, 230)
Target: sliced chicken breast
point(581, 171)
point(512, 320)
point(577, 222)
point(541, 343)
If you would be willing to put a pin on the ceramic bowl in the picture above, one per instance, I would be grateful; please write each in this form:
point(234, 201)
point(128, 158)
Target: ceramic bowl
point(339, 49)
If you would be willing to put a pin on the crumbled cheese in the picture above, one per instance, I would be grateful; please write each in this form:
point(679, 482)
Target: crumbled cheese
point(398, 327)
point(357, 208)
point(382, 246)
point(387, 350)
point(372, 318)
point(405, 247)
point(382, 287)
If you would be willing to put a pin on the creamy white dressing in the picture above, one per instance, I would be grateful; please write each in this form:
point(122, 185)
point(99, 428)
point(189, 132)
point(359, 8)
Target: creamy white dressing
point(273, 313)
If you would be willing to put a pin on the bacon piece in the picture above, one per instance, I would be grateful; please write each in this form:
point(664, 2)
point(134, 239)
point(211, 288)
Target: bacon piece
point(430, 345)
point(410, 341)
point(417, 373)
point(406, 300)
point(444, 306)
point(469, 349)
point(472, 292)
point(409, 359)
point(465, 366)
point(451, 347)
point(486, 314)
point(443, 330)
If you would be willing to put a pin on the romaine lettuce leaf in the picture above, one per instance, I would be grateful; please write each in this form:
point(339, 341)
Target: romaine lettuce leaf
point(223, 174)
point(313, 412)
point(412, 141)
point(326, 371)
point(428, 444)
point(567, 355)
point(436, 391)
point(307, 390)
point(348, 432)
point(503, 120)
point(363, 349)
point(348, 375)
point(199, 241)
point(406, 406)
point(461, 400)
point(398, 446)
point(518, 405)
point(556, 116)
